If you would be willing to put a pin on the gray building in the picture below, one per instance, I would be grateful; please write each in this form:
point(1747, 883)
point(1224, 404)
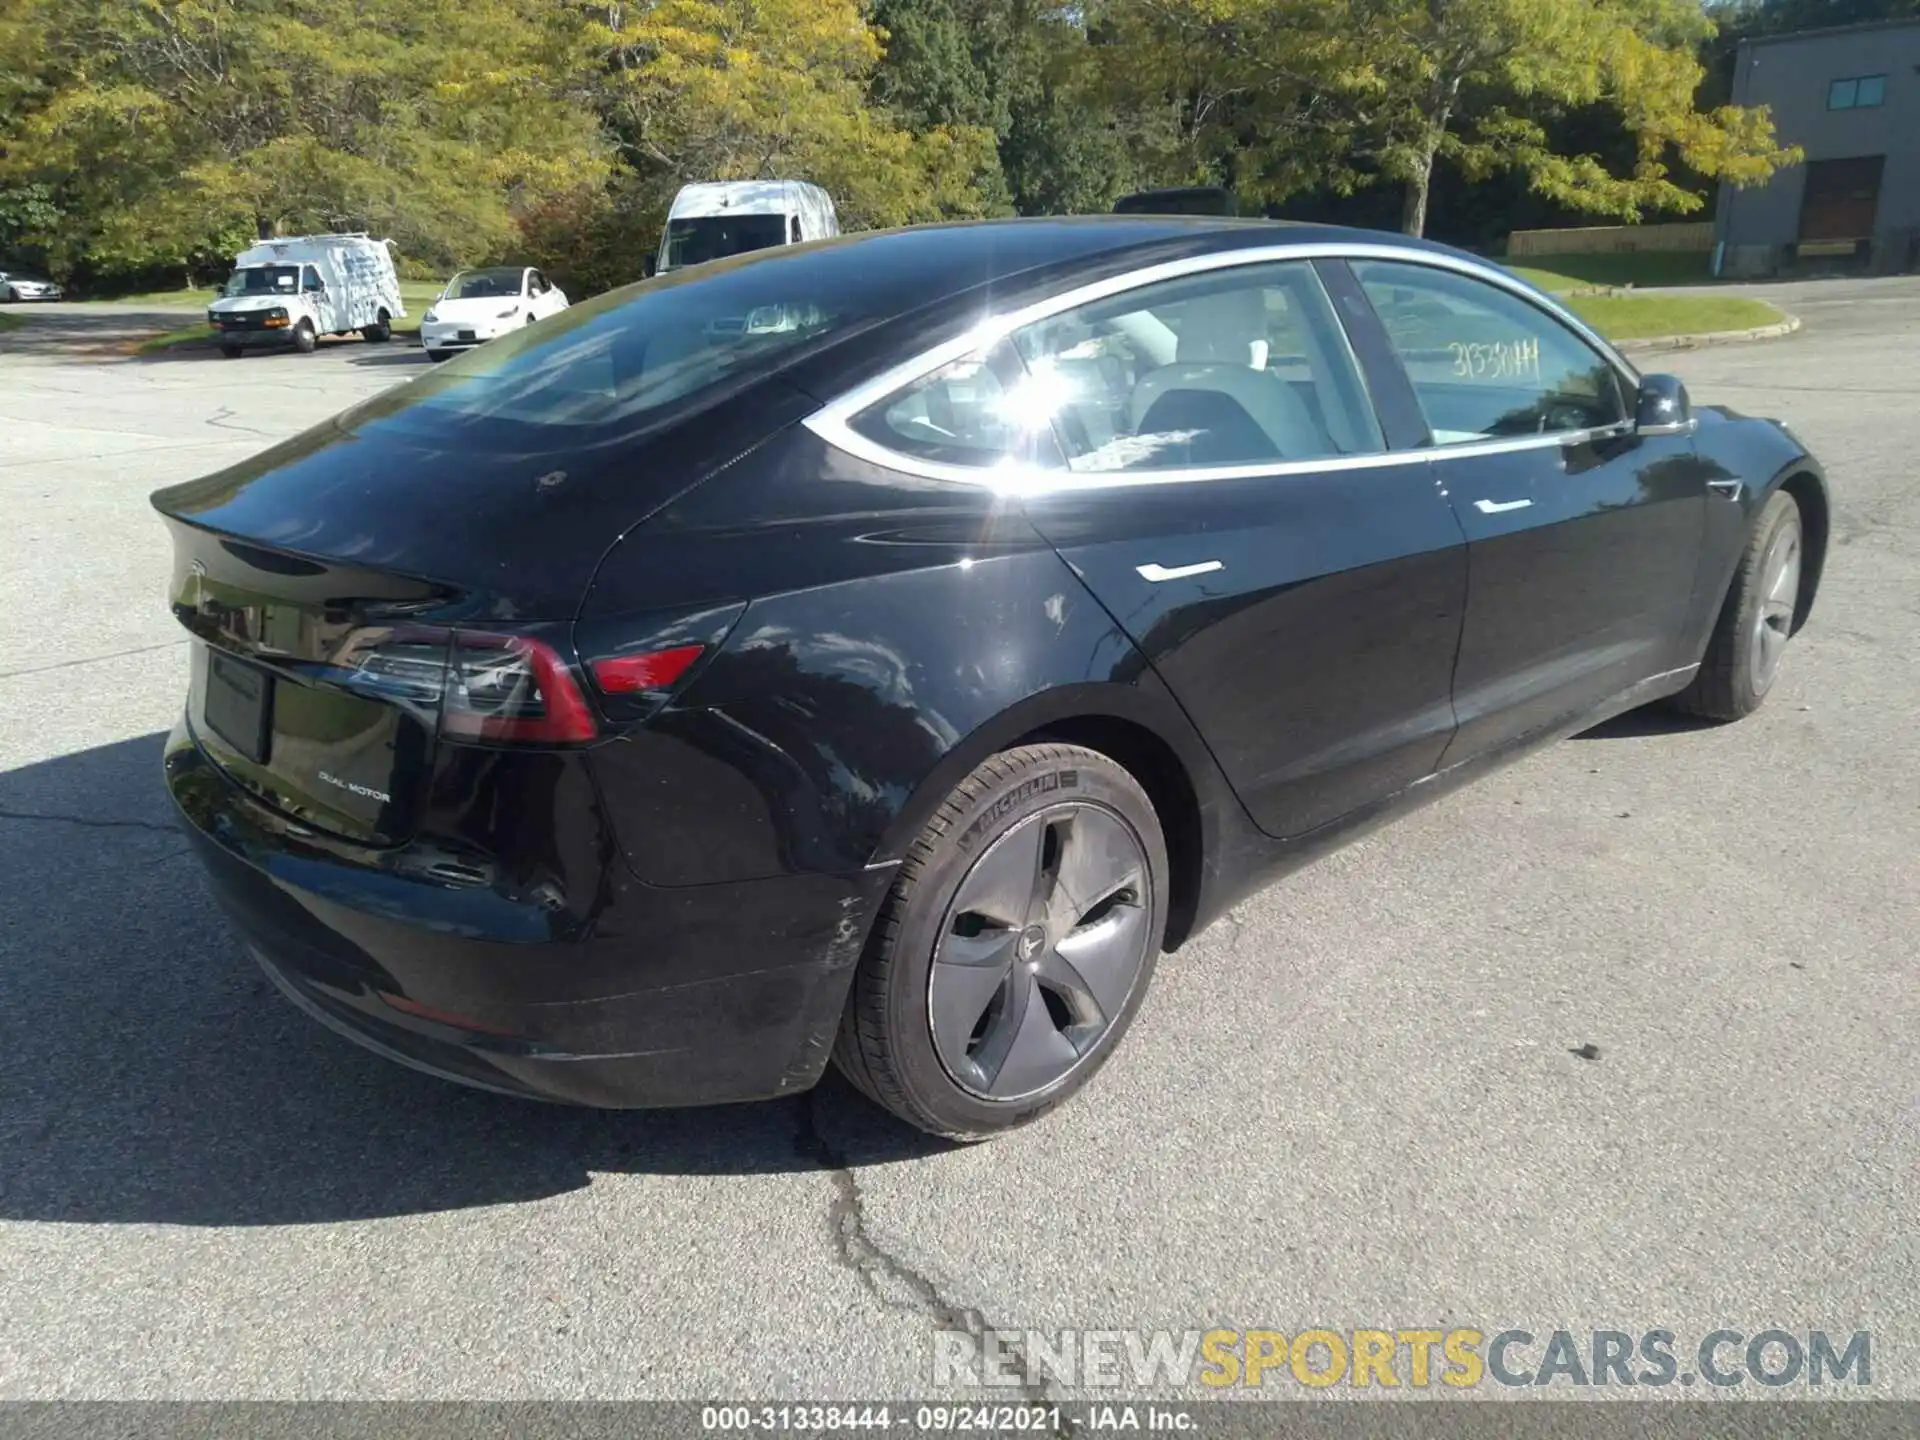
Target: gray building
point(1850, 98)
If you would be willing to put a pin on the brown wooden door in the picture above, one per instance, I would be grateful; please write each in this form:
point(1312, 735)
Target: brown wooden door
point(1841, 198)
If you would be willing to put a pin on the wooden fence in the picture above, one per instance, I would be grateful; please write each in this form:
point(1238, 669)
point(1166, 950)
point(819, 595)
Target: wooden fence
point(1612, 239)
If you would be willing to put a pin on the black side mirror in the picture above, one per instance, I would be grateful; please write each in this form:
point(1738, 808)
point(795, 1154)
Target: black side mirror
point(1663, 407)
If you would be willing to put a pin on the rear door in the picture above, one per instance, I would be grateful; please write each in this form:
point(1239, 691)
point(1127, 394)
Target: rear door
point(1222, 487)
point(1584, 534)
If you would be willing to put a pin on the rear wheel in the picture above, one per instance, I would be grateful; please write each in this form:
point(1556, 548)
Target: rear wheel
point(1756, 620)
point(380, 331)
point(1015, 947)
point(12, 297)
point(304, 339)
point(232, 352)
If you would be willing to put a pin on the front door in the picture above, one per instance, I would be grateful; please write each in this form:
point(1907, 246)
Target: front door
point(1584, 535)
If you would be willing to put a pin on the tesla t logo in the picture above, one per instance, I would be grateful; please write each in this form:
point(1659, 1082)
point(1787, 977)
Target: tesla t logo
point(1031, 940)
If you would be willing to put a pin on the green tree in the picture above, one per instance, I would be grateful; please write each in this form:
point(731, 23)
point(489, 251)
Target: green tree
point(1347, 93)
point(1024, 69)
point(693, 90)
point(167, 128)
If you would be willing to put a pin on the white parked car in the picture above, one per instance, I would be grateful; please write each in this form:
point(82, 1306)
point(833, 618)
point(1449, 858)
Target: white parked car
point(17, 286)
point(478, 305)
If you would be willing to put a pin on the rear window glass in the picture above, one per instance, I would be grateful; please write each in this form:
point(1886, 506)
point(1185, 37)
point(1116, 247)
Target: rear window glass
point(631, 356)
point(652, 352)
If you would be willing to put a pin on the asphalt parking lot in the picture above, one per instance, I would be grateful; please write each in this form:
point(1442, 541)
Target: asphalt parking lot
point(1355, 1104)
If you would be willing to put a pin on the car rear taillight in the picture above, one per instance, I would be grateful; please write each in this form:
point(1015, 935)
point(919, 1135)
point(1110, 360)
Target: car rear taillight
point(485, 688)
point(651, 671)
point(512, 689)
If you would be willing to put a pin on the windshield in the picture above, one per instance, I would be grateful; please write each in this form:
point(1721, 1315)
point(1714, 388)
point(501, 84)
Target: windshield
point(713, 237)
point(264, 280)
point(497, 282)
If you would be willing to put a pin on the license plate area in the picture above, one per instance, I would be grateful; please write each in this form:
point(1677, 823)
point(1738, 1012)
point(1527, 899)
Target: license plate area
point(239, 705)
point(466, 334)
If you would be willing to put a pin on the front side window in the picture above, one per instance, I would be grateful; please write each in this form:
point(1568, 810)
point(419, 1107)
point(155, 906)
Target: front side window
point(1484, 363)
point(1858, 92)
point(310, 279)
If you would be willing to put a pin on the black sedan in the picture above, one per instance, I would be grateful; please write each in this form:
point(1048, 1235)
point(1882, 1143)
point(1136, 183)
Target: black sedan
point(882, 649)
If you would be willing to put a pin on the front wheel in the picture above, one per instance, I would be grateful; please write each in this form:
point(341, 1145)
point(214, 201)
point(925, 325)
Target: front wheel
point(380, 331)
point(1756, 620)
point(304, 339)
point(232, 352)
point(1015, 947)
point(438, 355)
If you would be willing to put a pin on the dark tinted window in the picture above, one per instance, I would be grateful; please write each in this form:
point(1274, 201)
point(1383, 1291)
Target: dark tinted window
point(714, 237)
point(1486, 363)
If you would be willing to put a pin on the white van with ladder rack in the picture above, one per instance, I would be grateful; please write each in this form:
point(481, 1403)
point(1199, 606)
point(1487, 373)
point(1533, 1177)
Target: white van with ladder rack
point(293, 290)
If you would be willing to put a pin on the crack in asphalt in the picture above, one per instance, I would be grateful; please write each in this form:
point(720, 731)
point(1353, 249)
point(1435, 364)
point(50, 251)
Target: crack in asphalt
point(873, 1264)
point(90, 659)
point(90, 823)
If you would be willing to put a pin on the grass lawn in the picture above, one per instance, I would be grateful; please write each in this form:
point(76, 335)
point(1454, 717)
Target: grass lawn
point(158, 299)
point(1575, 272)
point(417, 295)
point(9, 322)
point(1648, 317)
point(197, 334)
point(1645, 317)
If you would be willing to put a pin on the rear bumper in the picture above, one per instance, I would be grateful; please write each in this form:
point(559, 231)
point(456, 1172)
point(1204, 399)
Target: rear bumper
point(700, 995)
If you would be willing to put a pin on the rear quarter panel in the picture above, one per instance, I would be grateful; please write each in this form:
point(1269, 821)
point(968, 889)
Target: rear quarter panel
point(899, 631)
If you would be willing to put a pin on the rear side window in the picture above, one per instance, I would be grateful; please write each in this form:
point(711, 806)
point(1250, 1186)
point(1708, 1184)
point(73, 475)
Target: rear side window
point(964, 413)
point(1241, 367)
point(1246, 366)
point(1484, 363)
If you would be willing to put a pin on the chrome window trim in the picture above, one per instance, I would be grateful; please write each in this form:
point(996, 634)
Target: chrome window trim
point(831, 422)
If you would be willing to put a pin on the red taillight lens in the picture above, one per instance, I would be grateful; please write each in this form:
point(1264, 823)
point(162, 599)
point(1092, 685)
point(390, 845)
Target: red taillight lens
point(512, 689)
point(638, 674)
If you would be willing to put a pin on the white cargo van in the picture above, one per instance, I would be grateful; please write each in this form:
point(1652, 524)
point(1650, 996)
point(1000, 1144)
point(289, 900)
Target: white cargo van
point(730, 217)
point(294, 290)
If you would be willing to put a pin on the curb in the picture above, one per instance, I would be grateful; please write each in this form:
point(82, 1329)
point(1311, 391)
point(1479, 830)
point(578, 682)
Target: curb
point(1710, 337)
point(131, 349)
